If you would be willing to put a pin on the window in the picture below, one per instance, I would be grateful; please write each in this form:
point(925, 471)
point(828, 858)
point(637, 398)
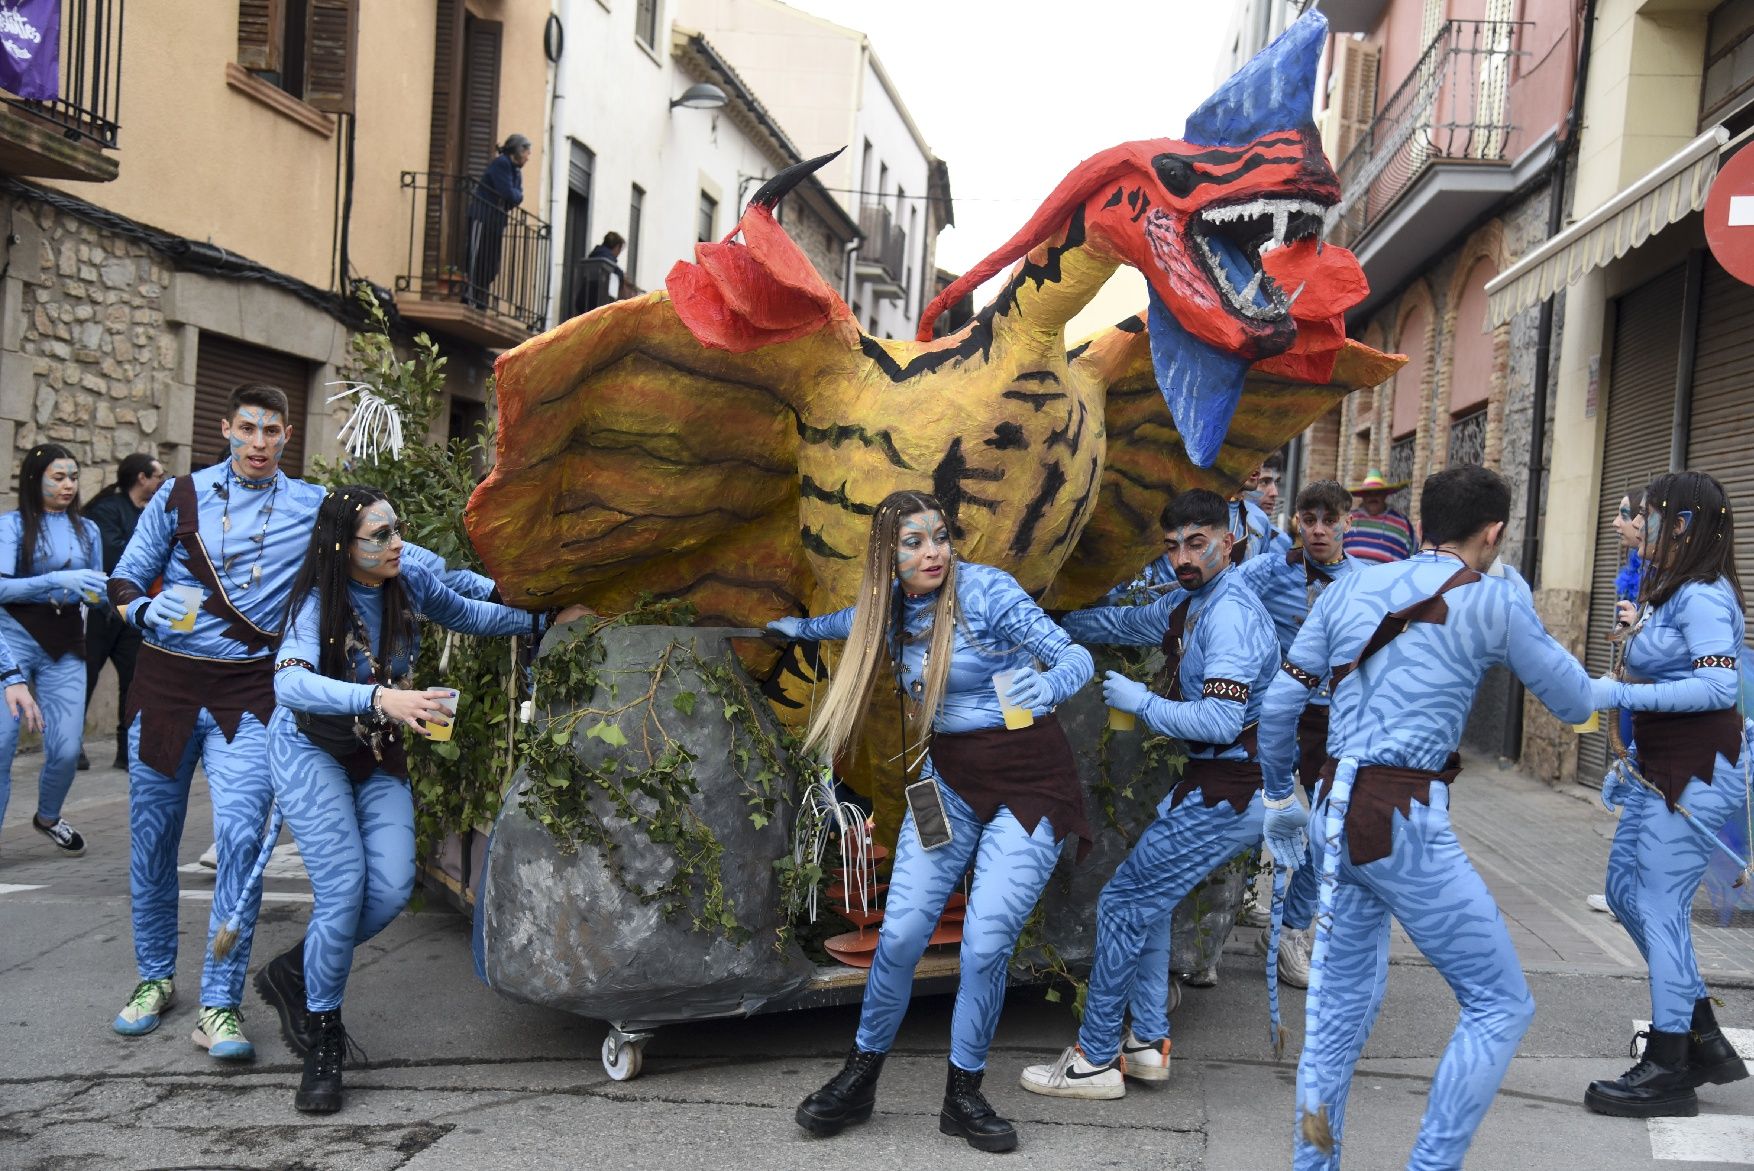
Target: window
point(1729, 61)
point(865, 168)
point(1401, 468)
point(635, 208)
point(308, 48)
point(709, 211)
point(645, 23)
point(580, 169)
point(1467, 440)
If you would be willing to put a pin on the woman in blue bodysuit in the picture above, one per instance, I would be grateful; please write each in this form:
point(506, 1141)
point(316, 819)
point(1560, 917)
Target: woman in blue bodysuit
point(50, 563)
point(1688, 753)
point(335, 750)
point(1008, 797)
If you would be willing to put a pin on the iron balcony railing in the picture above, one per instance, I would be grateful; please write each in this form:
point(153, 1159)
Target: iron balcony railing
point(885, 242)
point(465, 245)
point(89, 95)
point(1453, 106)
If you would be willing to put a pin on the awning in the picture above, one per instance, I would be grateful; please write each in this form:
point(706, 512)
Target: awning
point(1675, 189)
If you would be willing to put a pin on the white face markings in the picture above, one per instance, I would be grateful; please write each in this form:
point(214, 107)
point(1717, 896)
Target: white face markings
point(1322, 533)
point(922, 552)
point(376, 551)
point(60, 484)
point(257, 437)
point(1197, 553)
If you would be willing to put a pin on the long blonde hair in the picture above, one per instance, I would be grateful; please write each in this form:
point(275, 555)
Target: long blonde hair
point(839, 720)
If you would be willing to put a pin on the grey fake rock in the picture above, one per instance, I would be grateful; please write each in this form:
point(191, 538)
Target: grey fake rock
point(561, 929)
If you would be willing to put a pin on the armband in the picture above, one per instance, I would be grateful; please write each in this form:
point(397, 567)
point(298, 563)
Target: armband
point(1727, 662)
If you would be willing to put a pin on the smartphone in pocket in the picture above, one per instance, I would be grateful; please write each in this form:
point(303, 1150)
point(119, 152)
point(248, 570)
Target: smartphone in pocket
point(931, 825)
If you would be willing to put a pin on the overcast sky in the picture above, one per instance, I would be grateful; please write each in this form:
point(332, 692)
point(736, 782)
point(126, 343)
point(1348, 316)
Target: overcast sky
point(1012, 94)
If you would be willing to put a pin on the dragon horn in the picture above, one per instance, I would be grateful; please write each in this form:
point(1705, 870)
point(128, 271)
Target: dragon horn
point(226, 937)
point(776, 188)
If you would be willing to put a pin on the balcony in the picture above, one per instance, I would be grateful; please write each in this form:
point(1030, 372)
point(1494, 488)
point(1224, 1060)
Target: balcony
point(65, 129)
point(1438, 154)
point(882, 254)
point(476, 270)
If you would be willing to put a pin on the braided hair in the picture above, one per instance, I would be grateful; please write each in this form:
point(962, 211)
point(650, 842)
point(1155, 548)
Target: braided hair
point(327, 572)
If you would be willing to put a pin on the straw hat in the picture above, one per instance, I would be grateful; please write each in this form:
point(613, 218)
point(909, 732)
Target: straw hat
point(1374, 482)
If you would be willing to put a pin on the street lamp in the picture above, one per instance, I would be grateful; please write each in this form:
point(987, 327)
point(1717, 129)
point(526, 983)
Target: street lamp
point(701, 96)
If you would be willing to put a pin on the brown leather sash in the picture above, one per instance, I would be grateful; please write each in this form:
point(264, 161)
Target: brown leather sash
point(1312, 744)
point(1395, 623)
point(1232, 781)
point(1030, 771)
point(1169, 680)
point(1677, 747)
point(1378, 792)
point(59, 630)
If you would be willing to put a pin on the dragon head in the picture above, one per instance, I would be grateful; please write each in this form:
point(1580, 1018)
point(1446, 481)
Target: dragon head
point(1224, 223)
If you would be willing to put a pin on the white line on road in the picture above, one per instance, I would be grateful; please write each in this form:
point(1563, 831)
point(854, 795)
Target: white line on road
point(1710, 1138)
point(268, 896)
point(12, 888)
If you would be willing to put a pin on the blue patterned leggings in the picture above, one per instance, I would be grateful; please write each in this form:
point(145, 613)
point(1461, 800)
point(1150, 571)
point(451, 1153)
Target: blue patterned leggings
point(1654, 870)
point(1011, 865)
point(59, 687)
point(157, 805)
point(1428, 884)
point(358, 848)
point(1135, 911)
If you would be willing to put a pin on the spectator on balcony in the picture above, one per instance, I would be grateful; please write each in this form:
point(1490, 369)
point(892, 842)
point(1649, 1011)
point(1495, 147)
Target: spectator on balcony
point(499, 190)
point(1378, 533)
point(601, 279)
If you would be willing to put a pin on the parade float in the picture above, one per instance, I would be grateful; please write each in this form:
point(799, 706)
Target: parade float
point(700, 460)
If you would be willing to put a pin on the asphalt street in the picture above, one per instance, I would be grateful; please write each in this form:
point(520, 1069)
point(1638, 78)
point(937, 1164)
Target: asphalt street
point(460, 1077)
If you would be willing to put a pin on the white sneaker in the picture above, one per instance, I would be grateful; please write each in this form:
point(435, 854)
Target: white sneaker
point(1294, 957)
point(211, 858)
point(1207, 978)
point(1073, 1077)
point(1258, 915)
point(1145, 1061)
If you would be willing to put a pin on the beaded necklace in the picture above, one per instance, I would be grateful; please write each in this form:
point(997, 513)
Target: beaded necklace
point(272, 487)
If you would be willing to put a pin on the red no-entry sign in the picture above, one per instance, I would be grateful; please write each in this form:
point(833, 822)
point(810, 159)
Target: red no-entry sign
point(1729, 216)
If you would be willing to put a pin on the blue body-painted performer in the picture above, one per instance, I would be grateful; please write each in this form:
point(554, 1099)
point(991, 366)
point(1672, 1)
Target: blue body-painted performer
point(1688, 764)
point(1009, 797)
point(339, 765)
point(108, 639)
point(1288, 586)
point(1252, 535)
point(1220, 652)
point(1405, 645)
point(51, 559)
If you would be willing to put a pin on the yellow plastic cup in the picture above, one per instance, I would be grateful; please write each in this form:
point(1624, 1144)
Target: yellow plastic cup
point(1015, 717)
point(92, 597)
point(1593, 724)
point(192, 597)
point(436, 733)
point(1120, 721)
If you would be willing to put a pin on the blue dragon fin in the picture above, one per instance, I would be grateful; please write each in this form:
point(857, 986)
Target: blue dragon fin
point(1275, 90)
point(1201, 384)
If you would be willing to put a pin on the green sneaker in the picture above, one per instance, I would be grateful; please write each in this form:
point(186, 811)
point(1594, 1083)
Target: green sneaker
point(150, 1000)
point(220, 1031)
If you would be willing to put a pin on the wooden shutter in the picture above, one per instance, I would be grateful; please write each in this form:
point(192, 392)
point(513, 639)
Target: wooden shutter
point(331, 54)
point(221, 365)
point(1353, 102)
point(1720, 437)
point(480, 110)
point(447, 88)
point(1641, 403)
point(259, 35)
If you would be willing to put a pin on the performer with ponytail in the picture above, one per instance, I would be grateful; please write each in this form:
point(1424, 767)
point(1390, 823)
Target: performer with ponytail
point(1405, 645)
point(50, 564)
point(1685, 776)
point(343, 683)
point(1002, 799)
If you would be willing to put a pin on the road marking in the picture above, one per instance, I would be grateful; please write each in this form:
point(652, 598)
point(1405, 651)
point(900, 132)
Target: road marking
point(1710, 1138)
point(12, 888)
point(1741, 1039)
point(286, 863)
point(268, 896)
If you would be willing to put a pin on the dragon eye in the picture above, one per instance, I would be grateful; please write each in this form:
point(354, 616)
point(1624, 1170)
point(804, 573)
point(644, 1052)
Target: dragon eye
point(1176, 174)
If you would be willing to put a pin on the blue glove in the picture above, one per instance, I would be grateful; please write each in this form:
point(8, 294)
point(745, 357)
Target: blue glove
point(79, 581)
point(1615, 790)
point(1602, 697)
point(1283, 831)
point(1030, 689)
point(1124, 694)
point(163, 610)
point(787, 627)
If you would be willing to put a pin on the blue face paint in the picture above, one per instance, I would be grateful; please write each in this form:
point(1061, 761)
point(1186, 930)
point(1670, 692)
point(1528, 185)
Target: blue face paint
point(375, 553)
point(257, 437)
point(922, 552)
point(60, 484)
point(1197, 553)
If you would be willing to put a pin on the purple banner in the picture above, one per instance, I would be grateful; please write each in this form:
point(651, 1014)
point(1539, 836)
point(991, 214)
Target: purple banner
point(30, 41)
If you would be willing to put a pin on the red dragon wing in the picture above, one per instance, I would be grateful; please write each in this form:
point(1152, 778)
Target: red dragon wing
point(1146, 463)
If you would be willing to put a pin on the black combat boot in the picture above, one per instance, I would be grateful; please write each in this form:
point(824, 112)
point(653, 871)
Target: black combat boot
point(281, 983)
point(967, 1113)
point(1710, 1056)
point(319, 1091)
point(1659, 1086)
point(847, 1099)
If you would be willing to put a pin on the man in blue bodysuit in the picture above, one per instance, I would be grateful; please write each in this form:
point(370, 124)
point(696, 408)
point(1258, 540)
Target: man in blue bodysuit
point(1287, 585)
point(1405, 645)
point(1220, 655)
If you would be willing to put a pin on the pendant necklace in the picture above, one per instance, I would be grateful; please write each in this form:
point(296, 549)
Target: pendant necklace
point(260, 539)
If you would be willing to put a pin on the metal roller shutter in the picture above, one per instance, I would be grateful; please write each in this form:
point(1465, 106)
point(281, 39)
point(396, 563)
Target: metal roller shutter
point(1641, 403)
point(222, 364)
point(1720, 431)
